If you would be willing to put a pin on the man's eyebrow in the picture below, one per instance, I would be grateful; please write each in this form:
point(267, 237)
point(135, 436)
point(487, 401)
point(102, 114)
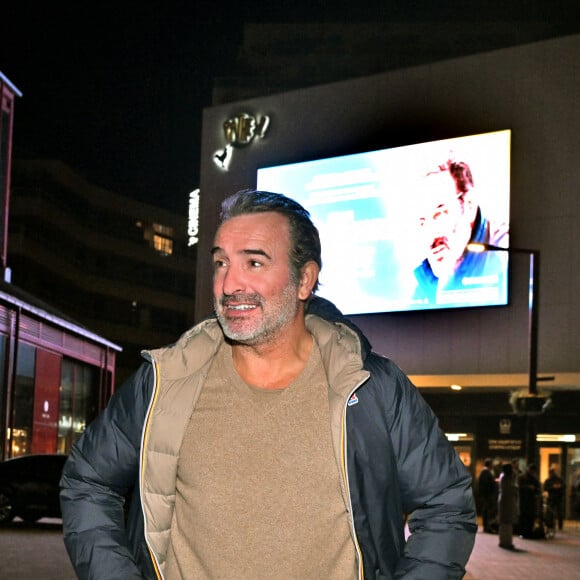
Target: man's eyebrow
point(248, 252)
point(251, 252)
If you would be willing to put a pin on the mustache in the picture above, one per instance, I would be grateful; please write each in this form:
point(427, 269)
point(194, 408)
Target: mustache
point(440, 241)
point(226, 299)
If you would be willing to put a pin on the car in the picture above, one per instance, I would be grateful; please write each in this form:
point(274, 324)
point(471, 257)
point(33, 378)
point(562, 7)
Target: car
point(29, 487)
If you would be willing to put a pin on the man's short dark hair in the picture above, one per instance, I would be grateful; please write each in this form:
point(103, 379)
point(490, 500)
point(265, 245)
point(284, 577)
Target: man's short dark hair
point(304, 237)
point(462, 176)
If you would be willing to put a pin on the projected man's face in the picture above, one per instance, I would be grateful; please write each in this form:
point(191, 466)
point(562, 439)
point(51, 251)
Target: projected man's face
point(445, 225)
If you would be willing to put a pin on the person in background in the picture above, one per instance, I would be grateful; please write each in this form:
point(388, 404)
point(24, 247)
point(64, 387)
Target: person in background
point(516, 468)
point(507, 507)
point(487, 491)
point(554, 486)
point(529, 490)
point(575, 492)
point(269, 441)
point(450, 218)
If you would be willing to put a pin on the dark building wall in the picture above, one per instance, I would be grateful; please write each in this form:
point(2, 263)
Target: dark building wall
point(530, 89)
point(90, 253)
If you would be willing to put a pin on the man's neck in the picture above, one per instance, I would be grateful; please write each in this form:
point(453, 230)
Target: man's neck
point(273, 365)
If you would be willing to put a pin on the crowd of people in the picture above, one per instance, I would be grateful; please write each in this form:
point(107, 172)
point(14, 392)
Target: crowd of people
point(513, 502)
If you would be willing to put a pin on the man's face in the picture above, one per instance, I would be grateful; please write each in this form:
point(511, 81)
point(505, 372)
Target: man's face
point(255, 298)
point(445, 228)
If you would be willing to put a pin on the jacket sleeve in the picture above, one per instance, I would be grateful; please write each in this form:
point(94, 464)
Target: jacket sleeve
point(101, 470)
point(436, 490)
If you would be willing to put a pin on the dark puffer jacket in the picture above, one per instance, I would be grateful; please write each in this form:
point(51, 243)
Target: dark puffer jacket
point(395, 461)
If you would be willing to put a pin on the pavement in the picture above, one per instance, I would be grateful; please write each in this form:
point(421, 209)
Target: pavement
point(556, 558)
point(36, 551)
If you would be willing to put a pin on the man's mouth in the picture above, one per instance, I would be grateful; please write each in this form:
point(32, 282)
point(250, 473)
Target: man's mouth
point(240, 303)
point(241, 306)
point(440, 244)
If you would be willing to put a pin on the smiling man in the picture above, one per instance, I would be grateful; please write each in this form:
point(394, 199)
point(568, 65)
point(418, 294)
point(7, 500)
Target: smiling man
point(269, 441)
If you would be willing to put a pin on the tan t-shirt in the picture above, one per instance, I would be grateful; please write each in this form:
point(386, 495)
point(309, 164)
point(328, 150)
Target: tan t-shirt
point(258, 486)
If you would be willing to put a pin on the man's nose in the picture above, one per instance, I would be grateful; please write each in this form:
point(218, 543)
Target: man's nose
point(233, 281)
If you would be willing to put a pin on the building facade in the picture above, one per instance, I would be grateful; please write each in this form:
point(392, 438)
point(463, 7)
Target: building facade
point(118, 266)
point(530, 89)
point(55, 374)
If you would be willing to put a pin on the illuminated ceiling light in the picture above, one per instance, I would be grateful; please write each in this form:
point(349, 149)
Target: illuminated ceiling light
point(456, 387)
point(455, 436)
point(554, 438)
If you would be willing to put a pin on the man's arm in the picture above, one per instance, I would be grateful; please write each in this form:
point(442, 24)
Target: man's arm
point(437, 492)
point(102, 468)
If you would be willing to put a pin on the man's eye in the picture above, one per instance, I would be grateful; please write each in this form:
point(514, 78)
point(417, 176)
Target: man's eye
point(218, 264)
point(255, 264)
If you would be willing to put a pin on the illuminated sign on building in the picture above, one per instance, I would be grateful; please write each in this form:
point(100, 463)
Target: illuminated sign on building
point(240, 131)
point(193, 218)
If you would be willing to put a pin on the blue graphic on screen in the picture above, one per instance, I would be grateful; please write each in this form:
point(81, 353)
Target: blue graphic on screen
point(394, 223)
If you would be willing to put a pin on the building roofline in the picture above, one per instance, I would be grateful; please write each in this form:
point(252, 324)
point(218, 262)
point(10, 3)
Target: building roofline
point(55, 319)
point(12, 87)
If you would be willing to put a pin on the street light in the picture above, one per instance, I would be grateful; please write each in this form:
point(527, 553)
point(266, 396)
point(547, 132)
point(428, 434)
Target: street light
point(533, 403)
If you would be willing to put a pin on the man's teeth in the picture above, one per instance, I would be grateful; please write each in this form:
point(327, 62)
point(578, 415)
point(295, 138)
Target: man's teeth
point(242, 307)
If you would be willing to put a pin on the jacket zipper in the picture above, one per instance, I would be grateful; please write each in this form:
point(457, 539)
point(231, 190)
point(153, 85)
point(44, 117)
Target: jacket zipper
point(343, 444)
point(144, 438)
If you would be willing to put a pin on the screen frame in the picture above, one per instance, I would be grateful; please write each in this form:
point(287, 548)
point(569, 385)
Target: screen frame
point(392, 179)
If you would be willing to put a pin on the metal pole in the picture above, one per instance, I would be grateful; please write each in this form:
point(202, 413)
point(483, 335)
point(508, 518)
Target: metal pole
point(533, 306)
point(530, 412)
point(533, 320)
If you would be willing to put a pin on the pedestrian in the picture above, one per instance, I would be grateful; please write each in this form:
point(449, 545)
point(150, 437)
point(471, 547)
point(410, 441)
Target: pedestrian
point(555, 488)
point(269, 441)
point(529, 503)
point(507, 506)
point(487, 491)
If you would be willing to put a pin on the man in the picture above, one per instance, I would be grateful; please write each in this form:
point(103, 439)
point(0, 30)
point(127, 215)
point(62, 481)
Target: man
point(487, 490)
point(450, 218)
point(529, 502)
point(554, 486)
point(269, 441)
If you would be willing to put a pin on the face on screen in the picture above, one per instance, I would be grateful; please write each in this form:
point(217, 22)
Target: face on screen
point(381, 214)
point(445, 222)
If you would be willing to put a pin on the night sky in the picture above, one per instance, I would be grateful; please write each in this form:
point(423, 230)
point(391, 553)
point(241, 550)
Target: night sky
point(116, 89)
point(117, 95)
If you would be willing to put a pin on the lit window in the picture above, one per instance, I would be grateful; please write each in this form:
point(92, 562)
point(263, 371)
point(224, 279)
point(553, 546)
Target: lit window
point(163, 230)
point(163, 245)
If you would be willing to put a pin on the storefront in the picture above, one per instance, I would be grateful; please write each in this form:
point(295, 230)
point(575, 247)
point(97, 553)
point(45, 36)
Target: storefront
point(55, 376)
point(484, 426)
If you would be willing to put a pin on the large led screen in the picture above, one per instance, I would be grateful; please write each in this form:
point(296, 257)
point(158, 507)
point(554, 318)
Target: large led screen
point(395, 223)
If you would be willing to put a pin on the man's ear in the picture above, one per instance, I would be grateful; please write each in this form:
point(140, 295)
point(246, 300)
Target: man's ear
point(308, 278)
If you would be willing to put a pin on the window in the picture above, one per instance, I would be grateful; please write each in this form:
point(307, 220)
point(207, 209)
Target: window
point(163, 239)
point(21, 431)
point(79, 399)
point(163, 245)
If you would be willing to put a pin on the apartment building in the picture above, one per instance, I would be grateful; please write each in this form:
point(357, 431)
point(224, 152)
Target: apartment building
point(120, 267)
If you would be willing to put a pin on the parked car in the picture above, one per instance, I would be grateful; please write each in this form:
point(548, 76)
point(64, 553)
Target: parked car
point(29, 487)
